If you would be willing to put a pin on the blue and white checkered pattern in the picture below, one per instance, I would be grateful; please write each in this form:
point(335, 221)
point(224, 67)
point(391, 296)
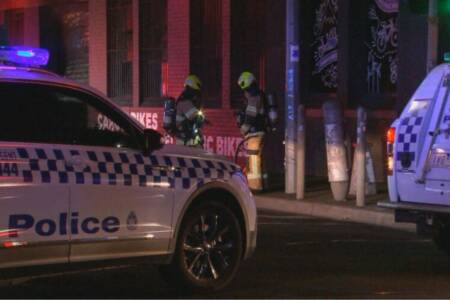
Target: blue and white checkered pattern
point(118, 168)
point(407, 139)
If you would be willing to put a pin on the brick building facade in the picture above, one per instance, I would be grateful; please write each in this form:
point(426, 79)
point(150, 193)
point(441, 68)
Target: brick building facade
point(371, 52)
point(87, 37)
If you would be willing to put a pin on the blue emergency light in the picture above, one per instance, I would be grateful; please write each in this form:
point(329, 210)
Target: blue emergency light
point(24, 56)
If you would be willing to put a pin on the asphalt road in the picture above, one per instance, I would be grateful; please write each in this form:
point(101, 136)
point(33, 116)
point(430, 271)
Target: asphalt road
point(297, 257)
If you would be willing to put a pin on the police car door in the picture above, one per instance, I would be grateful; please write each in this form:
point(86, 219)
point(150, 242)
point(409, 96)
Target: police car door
point(34, 197)
point(116, 209)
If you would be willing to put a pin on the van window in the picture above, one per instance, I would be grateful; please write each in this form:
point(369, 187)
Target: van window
point(47, 114)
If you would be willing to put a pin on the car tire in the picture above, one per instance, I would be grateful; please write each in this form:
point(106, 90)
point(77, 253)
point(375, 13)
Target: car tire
point(441, 235)
point(209, 249)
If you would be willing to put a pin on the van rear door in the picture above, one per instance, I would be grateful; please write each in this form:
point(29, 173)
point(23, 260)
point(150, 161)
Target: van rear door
point(435, 171)
point(419, 136)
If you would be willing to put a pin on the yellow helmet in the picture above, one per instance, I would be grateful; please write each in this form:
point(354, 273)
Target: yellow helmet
point(193, 82)
point(246, 79)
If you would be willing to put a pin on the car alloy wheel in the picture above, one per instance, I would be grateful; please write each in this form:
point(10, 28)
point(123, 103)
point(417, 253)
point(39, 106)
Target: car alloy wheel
point(210, 246)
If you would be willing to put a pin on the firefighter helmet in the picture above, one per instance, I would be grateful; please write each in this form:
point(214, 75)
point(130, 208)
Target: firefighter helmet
point(193, 82)
point(246, 80)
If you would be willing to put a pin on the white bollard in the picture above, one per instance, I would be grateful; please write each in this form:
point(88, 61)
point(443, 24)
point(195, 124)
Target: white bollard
point(371, 186)
point(361, 157)
point(300, 155)
point(336, 151)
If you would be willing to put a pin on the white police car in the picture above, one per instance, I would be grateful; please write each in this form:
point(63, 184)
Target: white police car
point(419, 159)
point(80, 180)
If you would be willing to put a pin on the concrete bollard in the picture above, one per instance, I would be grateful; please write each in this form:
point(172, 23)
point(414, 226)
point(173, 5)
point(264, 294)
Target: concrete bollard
point(361, 157)
point(371, 185)
point(336, 151)
point(300, 154)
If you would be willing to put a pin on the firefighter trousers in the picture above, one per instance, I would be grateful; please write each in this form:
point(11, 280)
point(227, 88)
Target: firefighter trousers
point(255, 144)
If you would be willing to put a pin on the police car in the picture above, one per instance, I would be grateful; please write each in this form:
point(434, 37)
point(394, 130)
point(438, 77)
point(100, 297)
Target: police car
point(80, 180)
point(419, 159)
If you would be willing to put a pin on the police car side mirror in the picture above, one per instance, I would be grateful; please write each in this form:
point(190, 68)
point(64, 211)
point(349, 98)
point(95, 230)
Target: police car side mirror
point(153, 140)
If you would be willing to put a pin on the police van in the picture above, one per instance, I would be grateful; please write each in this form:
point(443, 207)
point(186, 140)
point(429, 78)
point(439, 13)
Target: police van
point(418, 145)
point(80, 180)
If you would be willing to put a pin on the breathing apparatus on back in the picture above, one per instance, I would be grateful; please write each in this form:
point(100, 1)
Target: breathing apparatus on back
point(270, 108)
point(170, 115)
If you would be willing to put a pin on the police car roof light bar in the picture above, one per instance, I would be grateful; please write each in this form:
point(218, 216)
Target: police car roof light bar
point(24, 56)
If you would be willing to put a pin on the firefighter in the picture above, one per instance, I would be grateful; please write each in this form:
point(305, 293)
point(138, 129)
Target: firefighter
point(252, 123)
point(189, 117)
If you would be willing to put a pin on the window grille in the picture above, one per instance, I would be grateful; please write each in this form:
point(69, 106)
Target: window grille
point(14, 20)
point(120, 51)
point(248, 42)
point(75, 36)
point(153, 51)
point(206, 48)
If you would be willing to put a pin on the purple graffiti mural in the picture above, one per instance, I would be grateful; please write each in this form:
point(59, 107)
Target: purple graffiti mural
point(382, 44)
point(325, 46)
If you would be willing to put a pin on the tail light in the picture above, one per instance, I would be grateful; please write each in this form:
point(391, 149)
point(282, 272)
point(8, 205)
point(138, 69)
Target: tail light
point(390, 139)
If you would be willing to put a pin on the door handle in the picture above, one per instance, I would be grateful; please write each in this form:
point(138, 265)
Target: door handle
point(166, 168)
point(439, 131)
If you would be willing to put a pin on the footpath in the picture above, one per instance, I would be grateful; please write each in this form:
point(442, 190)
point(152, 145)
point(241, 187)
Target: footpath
point(319, 202)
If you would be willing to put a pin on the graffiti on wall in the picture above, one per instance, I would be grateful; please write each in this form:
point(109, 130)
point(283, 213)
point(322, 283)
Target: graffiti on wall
point(325, 46)
point(382, 43)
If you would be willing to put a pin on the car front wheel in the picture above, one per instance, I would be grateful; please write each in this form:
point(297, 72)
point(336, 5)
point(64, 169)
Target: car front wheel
point(209, 249)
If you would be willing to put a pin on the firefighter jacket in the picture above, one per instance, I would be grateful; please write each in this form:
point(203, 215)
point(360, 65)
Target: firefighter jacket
point(186, 118)
point(253, 113)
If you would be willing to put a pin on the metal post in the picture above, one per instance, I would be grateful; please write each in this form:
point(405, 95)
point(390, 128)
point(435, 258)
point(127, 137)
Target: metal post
point(361, 157)
point(300, 155)
point(433, 35)
point(292, 91)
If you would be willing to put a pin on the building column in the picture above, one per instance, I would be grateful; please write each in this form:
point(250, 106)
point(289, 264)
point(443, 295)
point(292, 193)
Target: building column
point(135, 82)
point(177, 44)
point(31, 26)
point(98, 45)
point(226, 61)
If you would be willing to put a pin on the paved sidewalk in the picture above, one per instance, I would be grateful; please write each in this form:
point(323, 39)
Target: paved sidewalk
point(319, 202)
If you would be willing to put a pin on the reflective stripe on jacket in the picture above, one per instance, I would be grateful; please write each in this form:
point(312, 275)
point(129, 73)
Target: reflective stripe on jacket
point(186, 110)
point(254, 120)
